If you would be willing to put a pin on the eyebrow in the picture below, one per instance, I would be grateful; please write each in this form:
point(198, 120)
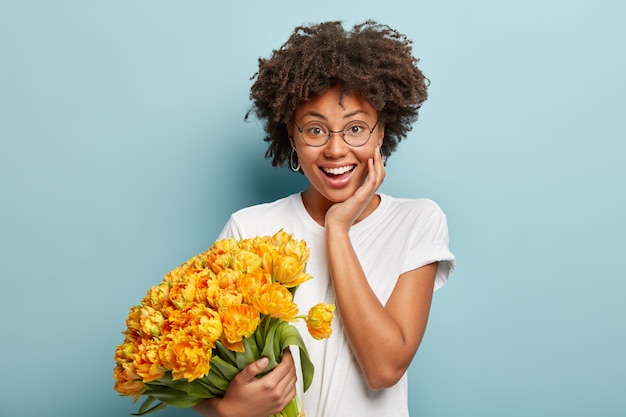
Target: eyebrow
point(348, 115)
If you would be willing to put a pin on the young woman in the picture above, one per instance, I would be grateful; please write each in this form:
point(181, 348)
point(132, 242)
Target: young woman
point(335, 104)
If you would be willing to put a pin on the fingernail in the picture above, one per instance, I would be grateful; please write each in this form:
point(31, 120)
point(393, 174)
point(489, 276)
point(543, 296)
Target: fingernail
point(263, 362)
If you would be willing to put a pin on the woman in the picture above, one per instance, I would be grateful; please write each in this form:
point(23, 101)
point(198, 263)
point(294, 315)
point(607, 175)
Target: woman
point(335, 104)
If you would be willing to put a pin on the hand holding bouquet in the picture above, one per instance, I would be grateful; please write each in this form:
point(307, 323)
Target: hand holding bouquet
point(214, 315)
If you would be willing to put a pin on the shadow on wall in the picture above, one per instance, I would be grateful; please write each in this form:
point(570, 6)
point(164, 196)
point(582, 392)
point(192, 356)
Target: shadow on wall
point(260, 182)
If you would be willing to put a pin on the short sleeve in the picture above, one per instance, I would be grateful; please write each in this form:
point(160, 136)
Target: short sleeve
point(429, 244)
point(230, 230)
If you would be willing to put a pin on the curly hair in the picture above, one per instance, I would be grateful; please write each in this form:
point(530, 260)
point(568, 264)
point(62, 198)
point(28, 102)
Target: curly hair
point(371, 60)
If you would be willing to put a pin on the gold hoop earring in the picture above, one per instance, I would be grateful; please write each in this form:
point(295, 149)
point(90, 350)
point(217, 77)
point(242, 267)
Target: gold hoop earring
point(294, 167)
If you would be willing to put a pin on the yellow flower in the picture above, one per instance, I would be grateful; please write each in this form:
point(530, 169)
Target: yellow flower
point(239, 322)
point(151, 321)
point(221, 294)
point(207, 288)
point(185, 356)
point(319, 321)
point(198, 321)
point(146, 361)
point(246, 261)
point(227, 298)
point(157, 296)
point(220, 255)
point(133, 322)
point(280, 238)
point(126, 385)
point(204, 324)
point(251, 283)
point(274, 300)
point(289, 270)
point(183, 293)
point(228, 278)
point(297, 249)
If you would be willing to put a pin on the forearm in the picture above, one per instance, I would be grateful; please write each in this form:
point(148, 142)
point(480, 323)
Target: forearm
point(375, 337)
point(208, 408)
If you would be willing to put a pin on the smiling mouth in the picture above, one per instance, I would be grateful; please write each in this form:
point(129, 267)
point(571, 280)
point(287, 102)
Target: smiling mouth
point(338, 170)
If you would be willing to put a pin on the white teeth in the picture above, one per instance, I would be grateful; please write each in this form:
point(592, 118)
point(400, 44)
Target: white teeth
point(338, 171)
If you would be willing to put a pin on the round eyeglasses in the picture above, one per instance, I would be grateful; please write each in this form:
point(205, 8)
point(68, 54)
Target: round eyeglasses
point(356, 133)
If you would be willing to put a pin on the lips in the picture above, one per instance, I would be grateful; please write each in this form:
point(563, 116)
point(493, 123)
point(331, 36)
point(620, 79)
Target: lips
point(338, 170)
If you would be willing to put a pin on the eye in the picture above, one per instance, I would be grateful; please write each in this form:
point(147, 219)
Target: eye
point(356, 128)
point(313, 130)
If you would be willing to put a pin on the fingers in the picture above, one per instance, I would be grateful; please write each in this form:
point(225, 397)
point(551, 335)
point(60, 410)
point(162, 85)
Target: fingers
point(375, 175)
point(251, 371)
point(379, 166)
point(249, 395)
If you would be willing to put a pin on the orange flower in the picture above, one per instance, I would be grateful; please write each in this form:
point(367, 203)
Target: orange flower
point(228, 298)
point(197, 321)
point(280, 238)
point(146, 361)
point(274, 300)
point(251, 283)
point(296, 249)
point(183, 293)
point(157, 296)
point(125, 352)
point(246, 261)
point(133, 322)
point(228, 278)
point(185, 356)
point(204, 324)
point(239, 322)
point(289, 270)
point(151, 321)
point(220, 255)
point(207, 288)
point(126, 385)
point(221, 294)
point(319, 321)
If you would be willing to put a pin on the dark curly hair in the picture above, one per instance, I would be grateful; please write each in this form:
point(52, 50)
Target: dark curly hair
point(371, 60)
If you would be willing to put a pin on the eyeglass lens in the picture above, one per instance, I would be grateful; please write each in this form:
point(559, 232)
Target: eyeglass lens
point(355, 133)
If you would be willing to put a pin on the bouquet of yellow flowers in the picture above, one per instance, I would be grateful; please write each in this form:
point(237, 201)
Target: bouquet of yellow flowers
point(214, 315)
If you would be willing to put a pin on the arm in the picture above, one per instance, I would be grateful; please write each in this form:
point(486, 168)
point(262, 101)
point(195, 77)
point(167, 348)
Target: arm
point(384, 339)
point(249, 396)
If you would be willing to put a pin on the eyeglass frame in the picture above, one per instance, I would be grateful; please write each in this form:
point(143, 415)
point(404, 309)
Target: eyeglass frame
point(330, 132)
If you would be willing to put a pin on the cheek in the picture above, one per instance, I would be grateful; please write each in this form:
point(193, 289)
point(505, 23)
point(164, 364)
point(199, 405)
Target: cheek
point(368, 152)
point(306, 154)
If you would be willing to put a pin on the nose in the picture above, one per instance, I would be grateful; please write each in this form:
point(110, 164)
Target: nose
point(335, 146)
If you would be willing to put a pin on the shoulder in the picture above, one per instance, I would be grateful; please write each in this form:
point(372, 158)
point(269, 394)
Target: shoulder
point(261, 219)
point(256, 210)
point(423, 208)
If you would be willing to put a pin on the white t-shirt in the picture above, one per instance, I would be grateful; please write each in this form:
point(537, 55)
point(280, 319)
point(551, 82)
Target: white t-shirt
point(399, 236)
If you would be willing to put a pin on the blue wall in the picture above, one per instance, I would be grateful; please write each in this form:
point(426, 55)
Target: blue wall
point(123, 150)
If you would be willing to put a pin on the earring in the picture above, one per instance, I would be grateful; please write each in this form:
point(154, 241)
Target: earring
point(294, 167)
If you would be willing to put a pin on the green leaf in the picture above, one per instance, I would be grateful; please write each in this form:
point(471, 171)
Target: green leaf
point(222, 369)
point(193, 388)
point(225, 353)
point(172, 396)
point(143, 410)
point(290, 336)
point(269, 350)
point(211, 387)
point(145, 405)
point(250, 353)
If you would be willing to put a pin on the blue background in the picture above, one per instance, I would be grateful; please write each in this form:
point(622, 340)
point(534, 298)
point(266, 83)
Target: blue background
point(123, 150)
